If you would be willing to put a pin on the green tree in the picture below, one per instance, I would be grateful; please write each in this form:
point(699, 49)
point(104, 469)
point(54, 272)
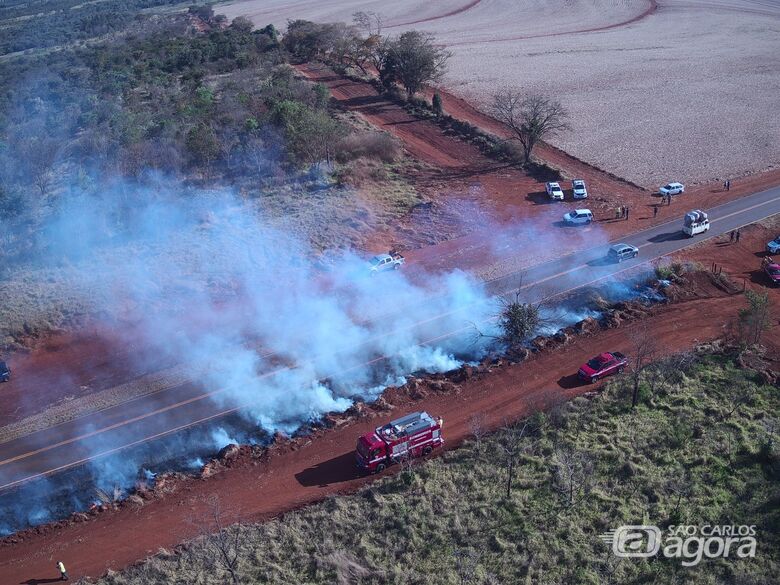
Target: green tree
point(755, 318)
point(242, 25)
point(518, 320)
point(311, 133)
point(438, 107)
point(414, 60)
point(202, 145)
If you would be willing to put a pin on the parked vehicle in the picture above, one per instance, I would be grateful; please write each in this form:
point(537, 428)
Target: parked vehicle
point(413, 435)
point(771, 269)
point(695, 222)
point(554, 191)
point(604, 364)
point(578, 190)
point(672, 189)
point(620, 252)
point(578, 217)
point(5, 372)
point(773, 247)
point(382, 262)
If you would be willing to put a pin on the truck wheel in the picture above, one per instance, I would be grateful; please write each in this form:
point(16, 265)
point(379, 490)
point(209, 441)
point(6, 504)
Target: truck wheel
point(427, 450)
point(620, 370)
point(396, 267)
point(380, 468)
point(594, 379)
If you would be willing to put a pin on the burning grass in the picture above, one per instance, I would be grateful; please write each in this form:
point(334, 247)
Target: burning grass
point(451, 520)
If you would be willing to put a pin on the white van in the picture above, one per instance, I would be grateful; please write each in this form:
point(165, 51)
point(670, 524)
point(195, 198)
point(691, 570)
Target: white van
point(695, 222)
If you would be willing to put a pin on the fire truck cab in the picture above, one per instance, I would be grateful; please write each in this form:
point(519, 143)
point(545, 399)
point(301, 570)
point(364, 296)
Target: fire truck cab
point(413, 435)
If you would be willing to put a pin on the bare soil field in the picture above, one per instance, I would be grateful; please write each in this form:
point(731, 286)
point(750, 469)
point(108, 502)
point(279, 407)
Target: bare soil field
point(678, 90)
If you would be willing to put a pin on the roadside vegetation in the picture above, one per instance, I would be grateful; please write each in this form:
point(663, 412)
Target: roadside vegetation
point(527, 504)
point(414, 59)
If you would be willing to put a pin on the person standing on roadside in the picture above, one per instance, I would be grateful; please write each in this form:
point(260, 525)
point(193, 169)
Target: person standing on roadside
point(728, 185)
point(628, 209)
point(655, 211)
point(63, 572)
point(737, 236)
point(732, 235)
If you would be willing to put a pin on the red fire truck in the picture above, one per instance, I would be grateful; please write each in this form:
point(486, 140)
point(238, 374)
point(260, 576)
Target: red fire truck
point(413, 435)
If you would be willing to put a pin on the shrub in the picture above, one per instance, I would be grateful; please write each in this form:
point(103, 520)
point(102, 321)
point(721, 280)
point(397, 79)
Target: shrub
point(376, 145)
point(437, 105)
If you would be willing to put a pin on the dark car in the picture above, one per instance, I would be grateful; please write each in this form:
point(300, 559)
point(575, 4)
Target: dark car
point(5, 373)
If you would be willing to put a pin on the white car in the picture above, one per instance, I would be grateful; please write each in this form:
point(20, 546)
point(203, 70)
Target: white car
point(578, 189)
point(554, 191)
point(672, 189)
point(578, 217)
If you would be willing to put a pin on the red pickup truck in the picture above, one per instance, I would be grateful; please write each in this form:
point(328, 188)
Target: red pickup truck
point(604, 364)
point(771, 269)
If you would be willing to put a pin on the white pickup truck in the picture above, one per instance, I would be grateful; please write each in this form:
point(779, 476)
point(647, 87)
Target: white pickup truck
point(382, 262)
point(554, 191)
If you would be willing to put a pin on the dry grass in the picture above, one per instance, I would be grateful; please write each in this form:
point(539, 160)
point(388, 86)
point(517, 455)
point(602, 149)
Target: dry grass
point(686, 94)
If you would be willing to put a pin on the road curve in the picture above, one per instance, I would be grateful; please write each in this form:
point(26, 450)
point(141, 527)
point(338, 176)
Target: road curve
point(71, 444)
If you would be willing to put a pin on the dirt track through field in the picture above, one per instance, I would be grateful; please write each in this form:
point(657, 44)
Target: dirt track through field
point(651, 8)
point(460, 10)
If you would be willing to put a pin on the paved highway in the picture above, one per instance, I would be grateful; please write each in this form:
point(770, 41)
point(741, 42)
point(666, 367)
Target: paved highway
point(109, 431)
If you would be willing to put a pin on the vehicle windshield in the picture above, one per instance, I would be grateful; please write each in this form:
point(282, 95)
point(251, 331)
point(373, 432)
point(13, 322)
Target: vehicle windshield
point(773, 270)
point(594, 364)
point(362, 448)
point(375, 260)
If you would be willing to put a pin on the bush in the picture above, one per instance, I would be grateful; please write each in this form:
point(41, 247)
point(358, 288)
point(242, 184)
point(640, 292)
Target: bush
point(437, 105)
point(359, 172)
point(375, 145)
